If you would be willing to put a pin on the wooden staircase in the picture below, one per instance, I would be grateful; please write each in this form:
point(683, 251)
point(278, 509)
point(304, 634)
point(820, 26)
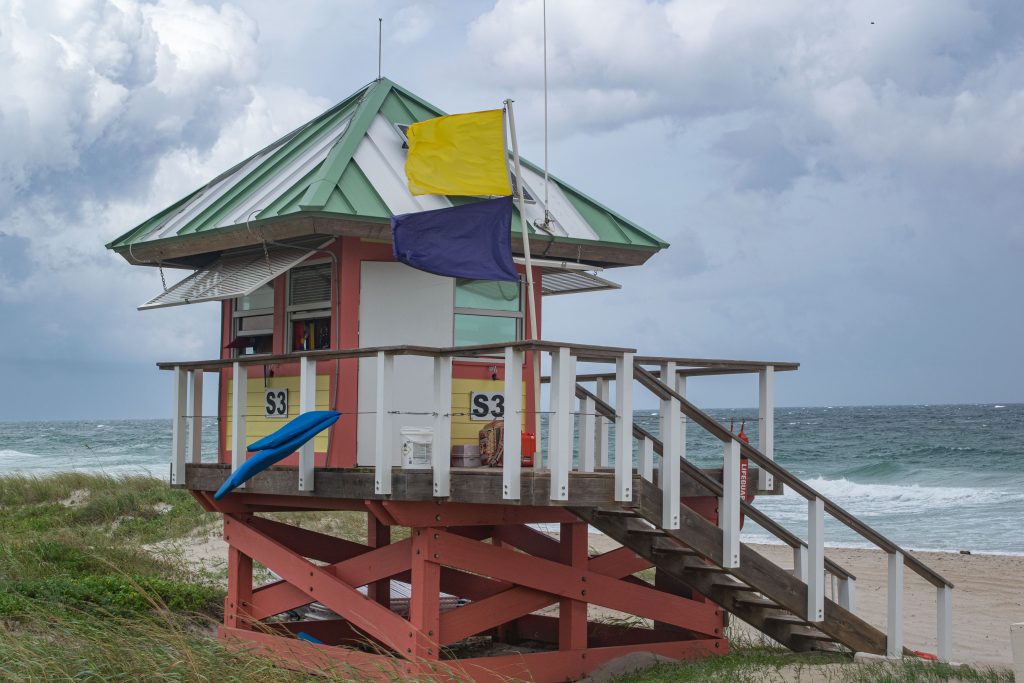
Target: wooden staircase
point(759, 592)
point(775, 600)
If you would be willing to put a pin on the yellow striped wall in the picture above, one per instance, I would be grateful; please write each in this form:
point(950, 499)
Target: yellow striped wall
point(257, 426)
point(464, 430)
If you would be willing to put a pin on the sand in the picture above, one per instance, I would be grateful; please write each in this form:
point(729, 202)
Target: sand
point(987, 598)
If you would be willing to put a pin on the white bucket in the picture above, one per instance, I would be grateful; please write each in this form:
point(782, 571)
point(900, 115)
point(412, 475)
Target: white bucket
point(416, 447)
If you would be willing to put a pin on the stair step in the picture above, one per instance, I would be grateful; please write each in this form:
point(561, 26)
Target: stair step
point(709, 568)
point(667, 546)
point(733, 586)
point(616, 512)
point(809, 633)
point(786, 619)
point(648, 531)
point(756, 601)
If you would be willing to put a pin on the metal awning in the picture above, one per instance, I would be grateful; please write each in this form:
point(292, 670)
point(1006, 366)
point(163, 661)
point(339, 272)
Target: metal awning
point(567, 277)
point(231, 276)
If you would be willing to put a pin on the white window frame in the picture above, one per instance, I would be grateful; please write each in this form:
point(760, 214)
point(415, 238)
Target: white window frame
point(237, 315)
point(519, 314)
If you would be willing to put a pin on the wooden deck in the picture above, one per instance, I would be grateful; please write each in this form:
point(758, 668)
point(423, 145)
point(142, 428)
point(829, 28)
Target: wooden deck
point(468, 485)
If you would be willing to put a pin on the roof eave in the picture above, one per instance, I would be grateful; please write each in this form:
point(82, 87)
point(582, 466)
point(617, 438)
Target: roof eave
point(192, 248)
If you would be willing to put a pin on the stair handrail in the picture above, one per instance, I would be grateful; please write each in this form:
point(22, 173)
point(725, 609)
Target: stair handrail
point(712, 486)
point(663, 391)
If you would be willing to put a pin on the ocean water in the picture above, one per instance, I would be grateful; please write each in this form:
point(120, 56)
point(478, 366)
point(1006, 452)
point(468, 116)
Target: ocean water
point(927, 477)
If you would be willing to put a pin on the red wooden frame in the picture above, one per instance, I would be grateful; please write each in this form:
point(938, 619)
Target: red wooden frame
point(487, 555)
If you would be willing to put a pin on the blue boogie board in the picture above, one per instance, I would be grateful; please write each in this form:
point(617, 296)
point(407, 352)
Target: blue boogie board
point(279, 445)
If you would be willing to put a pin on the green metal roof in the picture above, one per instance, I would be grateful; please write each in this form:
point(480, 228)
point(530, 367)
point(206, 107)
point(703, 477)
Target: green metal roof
point(343, 164)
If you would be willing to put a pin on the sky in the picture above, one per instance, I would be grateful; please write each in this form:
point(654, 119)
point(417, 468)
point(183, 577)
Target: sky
point(840, 181)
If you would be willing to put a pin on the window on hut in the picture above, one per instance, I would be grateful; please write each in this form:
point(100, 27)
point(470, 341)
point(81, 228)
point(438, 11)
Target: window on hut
point(487, 312)
point(309, 307)
point(254, 322)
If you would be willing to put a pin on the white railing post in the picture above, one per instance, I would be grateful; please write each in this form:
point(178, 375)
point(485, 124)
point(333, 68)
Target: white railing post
point(800, 562)
point(944, 622)
point(307, 403)
point(441, 445)
point(624, 427)
point(729, 505)
point(195, 421)
point(239, 404)
point(601, 432)
point(847, 594)
point(180, 401)
point(815, 560)
point(766, 423)
point(647, 459)
point(563, 377)
point(588, 425)
point(894, 622)
point(512, 463)
point(670, 468)
point(681, 390)
point(384, 454)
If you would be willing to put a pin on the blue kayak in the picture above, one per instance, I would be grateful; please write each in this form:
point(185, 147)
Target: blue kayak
point(278, 446)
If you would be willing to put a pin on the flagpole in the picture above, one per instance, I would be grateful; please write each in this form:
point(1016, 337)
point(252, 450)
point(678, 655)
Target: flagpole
point(530, 300)
point(532, 334)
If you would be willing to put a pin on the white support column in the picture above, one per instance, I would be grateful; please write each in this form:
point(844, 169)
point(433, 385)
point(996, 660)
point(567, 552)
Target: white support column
point(385, 454)
point(670, 468)
point(601, 433)
point(894, 621)
point(944, 622)
point(512, 463)
point(588, 425)
point(729, 505)
point(563, 379)
point(195, 421)
point(848, 594)
point(624, 427)
point(647, 459)
point(180, 401)
point(681, 390)
point(766, 423)
point(800, 562)
point(441, 446)
point(815, 560)
point(239, 403)
point(307, 403)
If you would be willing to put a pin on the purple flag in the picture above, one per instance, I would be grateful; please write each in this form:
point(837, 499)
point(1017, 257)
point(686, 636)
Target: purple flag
point(472, 240)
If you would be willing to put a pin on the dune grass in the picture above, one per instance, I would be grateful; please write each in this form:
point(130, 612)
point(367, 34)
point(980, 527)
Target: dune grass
point(84, 597)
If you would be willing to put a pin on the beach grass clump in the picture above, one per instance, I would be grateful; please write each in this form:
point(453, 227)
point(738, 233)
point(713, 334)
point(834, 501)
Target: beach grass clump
point(96, 645)
point(766, 665)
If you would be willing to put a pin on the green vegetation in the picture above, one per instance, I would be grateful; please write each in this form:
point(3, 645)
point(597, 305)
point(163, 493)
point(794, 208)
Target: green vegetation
point(762, 665)
point(93, 588)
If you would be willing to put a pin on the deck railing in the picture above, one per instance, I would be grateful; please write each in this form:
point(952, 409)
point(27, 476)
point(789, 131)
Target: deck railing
point(596, 412)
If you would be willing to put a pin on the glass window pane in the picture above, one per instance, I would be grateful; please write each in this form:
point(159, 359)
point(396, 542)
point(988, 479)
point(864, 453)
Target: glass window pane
point(261, 298)
point(483, 329)
point(256, 323)
point(495, 296)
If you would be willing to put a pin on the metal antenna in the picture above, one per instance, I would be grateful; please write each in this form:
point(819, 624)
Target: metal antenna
point(547, 215)
point(380, 42)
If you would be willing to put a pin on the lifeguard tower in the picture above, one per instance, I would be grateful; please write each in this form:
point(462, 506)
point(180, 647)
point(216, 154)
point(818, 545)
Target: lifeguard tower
point(316, 314)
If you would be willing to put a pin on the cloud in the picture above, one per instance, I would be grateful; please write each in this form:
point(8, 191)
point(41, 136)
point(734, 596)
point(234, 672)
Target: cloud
point(143, 103)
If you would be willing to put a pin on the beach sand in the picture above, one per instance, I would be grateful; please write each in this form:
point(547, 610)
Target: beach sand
point(987, 598)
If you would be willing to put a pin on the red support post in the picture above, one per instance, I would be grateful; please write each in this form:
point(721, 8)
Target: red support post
point(378, 534)
point(238, 602)
point(572, 614)
point(425, 602)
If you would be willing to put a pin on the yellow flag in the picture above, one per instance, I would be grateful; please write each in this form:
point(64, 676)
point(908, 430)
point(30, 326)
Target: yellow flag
point(462, 154)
